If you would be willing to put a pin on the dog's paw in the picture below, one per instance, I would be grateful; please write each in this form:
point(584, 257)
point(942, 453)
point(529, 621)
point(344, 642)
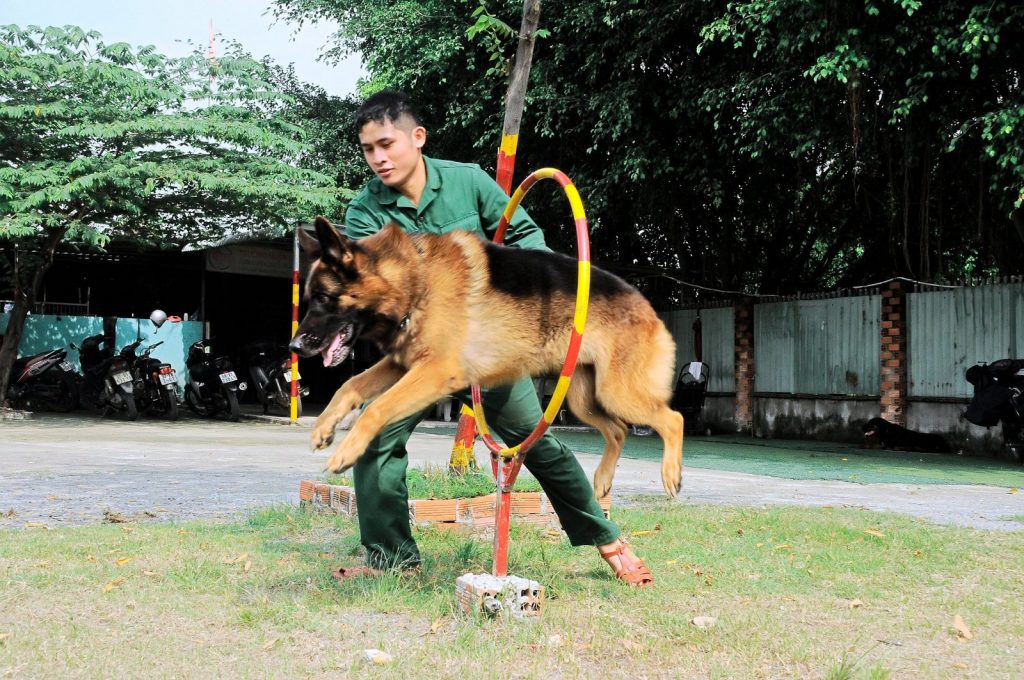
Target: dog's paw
point(602, 482)
point(323, 435)
point(672, 475)
point(341, 460)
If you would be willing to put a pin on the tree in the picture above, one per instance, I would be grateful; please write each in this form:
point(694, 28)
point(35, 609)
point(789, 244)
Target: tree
point(759, 146)
point(101, 141)
point(326, 122)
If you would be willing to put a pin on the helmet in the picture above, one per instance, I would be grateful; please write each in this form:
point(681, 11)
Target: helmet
point(158, 317)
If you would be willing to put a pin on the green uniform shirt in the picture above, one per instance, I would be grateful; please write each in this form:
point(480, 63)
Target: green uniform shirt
point(456, 196)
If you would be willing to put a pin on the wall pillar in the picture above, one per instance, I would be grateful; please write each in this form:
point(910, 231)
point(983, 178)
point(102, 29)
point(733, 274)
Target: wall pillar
point(744, 312)
point(893, 364)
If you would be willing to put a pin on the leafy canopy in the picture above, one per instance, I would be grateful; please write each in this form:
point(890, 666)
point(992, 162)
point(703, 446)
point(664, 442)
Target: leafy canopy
point(768, 146)
point(113, 141)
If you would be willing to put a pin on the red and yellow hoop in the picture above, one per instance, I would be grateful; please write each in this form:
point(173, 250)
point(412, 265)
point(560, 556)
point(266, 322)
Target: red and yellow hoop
point(579, 318)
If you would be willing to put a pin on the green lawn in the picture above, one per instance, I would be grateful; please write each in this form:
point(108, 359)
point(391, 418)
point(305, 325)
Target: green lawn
point(808, 459)
point(794, 592)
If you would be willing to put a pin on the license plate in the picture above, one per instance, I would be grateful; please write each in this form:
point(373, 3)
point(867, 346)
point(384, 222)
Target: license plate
point(228, 376)
point(168, 378)
point(122, 377)
point(66, 366)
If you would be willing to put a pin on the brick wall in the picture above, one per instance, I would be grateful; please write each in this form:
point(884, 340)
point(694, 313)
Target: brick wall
point(745, 365)
point(893, 371)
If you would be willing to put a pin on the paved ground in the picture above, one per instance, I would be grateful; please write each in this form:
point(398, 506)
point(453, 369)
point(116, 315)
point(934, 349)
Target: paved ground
point(65, 470)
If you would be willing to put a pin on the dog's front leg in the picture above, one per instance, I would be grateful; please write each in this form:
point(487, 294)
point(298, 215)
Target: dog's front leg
point(354, 392)
point(420, 387)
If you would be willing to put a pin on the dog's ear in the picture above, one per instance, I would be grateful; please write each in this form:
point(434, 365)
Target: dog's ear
point(310, 246)
point(333, 246)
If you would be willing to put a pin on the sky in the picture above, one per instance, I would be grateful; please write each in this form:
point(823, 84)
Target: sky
point(170, 23)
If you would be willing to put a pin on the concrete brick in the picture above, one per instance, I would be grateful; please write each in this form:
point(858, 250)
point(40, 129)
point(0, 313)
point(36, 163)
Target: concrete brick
point(519, 596)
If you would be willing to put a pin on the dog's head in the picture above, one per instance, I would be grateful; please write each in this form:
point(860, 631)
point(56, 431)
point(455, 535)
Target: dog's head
point(875, 427)
point(331, 324)
point(354, 288)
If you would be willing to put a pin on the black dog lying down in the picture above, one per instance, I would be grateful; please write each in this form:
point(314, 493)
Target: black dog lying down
point(881, 434)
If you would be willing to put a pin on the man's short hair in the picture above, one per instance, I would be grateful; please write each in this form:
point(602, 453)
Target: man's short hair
point(386, 105)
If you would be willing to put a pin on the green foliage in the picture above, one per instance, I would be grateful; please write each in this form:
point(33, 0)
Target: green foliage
point(761, 145)
point(112, 141)
point(325, 123)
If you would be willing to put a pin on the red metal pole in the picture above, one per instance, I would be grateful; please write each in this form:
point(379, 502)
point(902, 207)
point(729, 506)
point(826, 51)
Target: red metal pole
point(294, 408)
point(505, 472)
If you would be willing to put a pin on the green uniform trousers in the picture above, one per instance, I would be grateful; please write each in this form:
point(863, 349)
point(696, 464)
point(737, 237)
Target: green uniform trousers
point(382, 497)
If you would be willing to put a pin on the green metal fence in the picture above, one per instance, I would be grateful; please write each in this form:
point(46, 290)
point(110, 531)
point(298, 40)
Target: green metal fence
point(822, 347)
point(951, 330)
point(718, 333)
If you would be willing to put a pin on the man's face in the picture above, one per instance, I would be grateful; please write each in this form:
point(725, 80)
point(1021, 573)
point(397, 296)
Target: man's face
point(392, 151)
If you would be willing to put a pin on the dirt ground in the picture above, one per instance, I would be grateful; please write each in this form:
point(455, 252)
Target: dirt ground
point(62, 470)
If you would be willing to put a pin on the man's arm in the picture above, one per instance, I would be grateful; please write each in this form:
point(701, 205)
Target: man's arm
point(522, 231)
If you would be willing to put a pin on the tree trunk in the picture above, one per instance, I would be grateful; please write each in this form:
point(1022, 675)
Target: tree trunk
point(23, 301)
point(514, 99)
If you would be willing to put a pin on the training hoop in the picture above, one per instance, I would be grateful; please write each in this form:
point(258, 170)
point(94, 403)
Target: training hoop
point(579, 318)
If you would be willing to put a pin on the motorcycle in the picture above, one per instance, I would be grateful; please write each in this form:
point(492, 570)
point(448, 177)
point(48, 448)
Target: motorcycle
point(269, 367)
point(45, 380)
point(155, 382)
point(999, 397)
point(212, 385)
point(107, 383)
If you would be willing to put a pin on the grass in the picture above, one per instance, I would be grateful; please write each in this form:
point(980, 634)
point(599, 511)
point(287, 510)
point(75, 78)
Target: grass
point(437, 482)
point(797, 592)
point(809, 459)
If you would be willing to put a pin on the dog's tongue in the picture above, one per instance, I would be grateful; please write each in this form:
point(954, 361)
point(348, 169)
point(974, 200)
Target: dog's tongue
point(328, 354)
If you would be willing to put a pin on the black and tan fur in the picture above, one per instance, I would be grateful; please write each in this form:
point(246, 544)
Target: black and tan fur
point(452, 310)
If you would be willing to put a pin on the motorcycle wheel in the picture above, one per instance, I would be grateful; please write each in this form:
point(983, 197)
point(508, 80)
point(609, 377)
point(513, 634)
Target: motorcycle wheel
point(131, 410)
point(232, 410)
point(1013, 441)
point(67, 398)
point(196, 404)
point(169, 399)
point(282, 399)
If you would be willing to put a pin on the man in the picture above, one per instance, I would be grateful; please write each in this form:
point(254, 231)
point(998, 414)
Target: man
point(423, 194)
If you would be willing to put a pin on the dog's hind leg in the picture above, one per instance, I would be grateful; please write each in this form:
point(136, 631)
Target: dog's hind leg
point(669, 426)
point(635, 387)
point(585, 407)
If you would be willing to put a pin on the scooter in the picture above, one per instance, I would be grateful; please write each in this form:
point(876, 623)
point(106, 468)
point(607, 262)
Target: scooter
point(155, 382)
point(107, 381)
point(45, 380)
point(269, 367)
point(999, 397)
point(212, 385)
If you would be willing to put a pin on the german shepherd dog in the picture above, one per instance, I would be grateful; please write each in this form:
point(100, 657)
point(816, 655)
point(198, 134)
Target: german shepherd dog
point(452, 310)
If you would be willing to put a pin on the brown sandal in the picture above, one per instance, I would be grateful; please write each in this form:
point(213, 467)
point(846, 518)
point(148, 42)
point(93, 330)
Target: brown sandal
point(639, 576)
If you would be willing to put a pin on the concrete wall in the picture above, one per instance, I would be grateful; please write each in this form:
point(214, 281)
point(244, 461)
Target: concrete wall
point(943, 417)
point(831, 419)
point(44, 332)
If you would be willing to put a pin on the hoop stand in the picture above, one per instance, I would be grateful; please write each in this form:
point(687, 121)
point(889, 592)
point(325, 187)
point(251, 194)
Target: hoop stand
point(485, 591)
